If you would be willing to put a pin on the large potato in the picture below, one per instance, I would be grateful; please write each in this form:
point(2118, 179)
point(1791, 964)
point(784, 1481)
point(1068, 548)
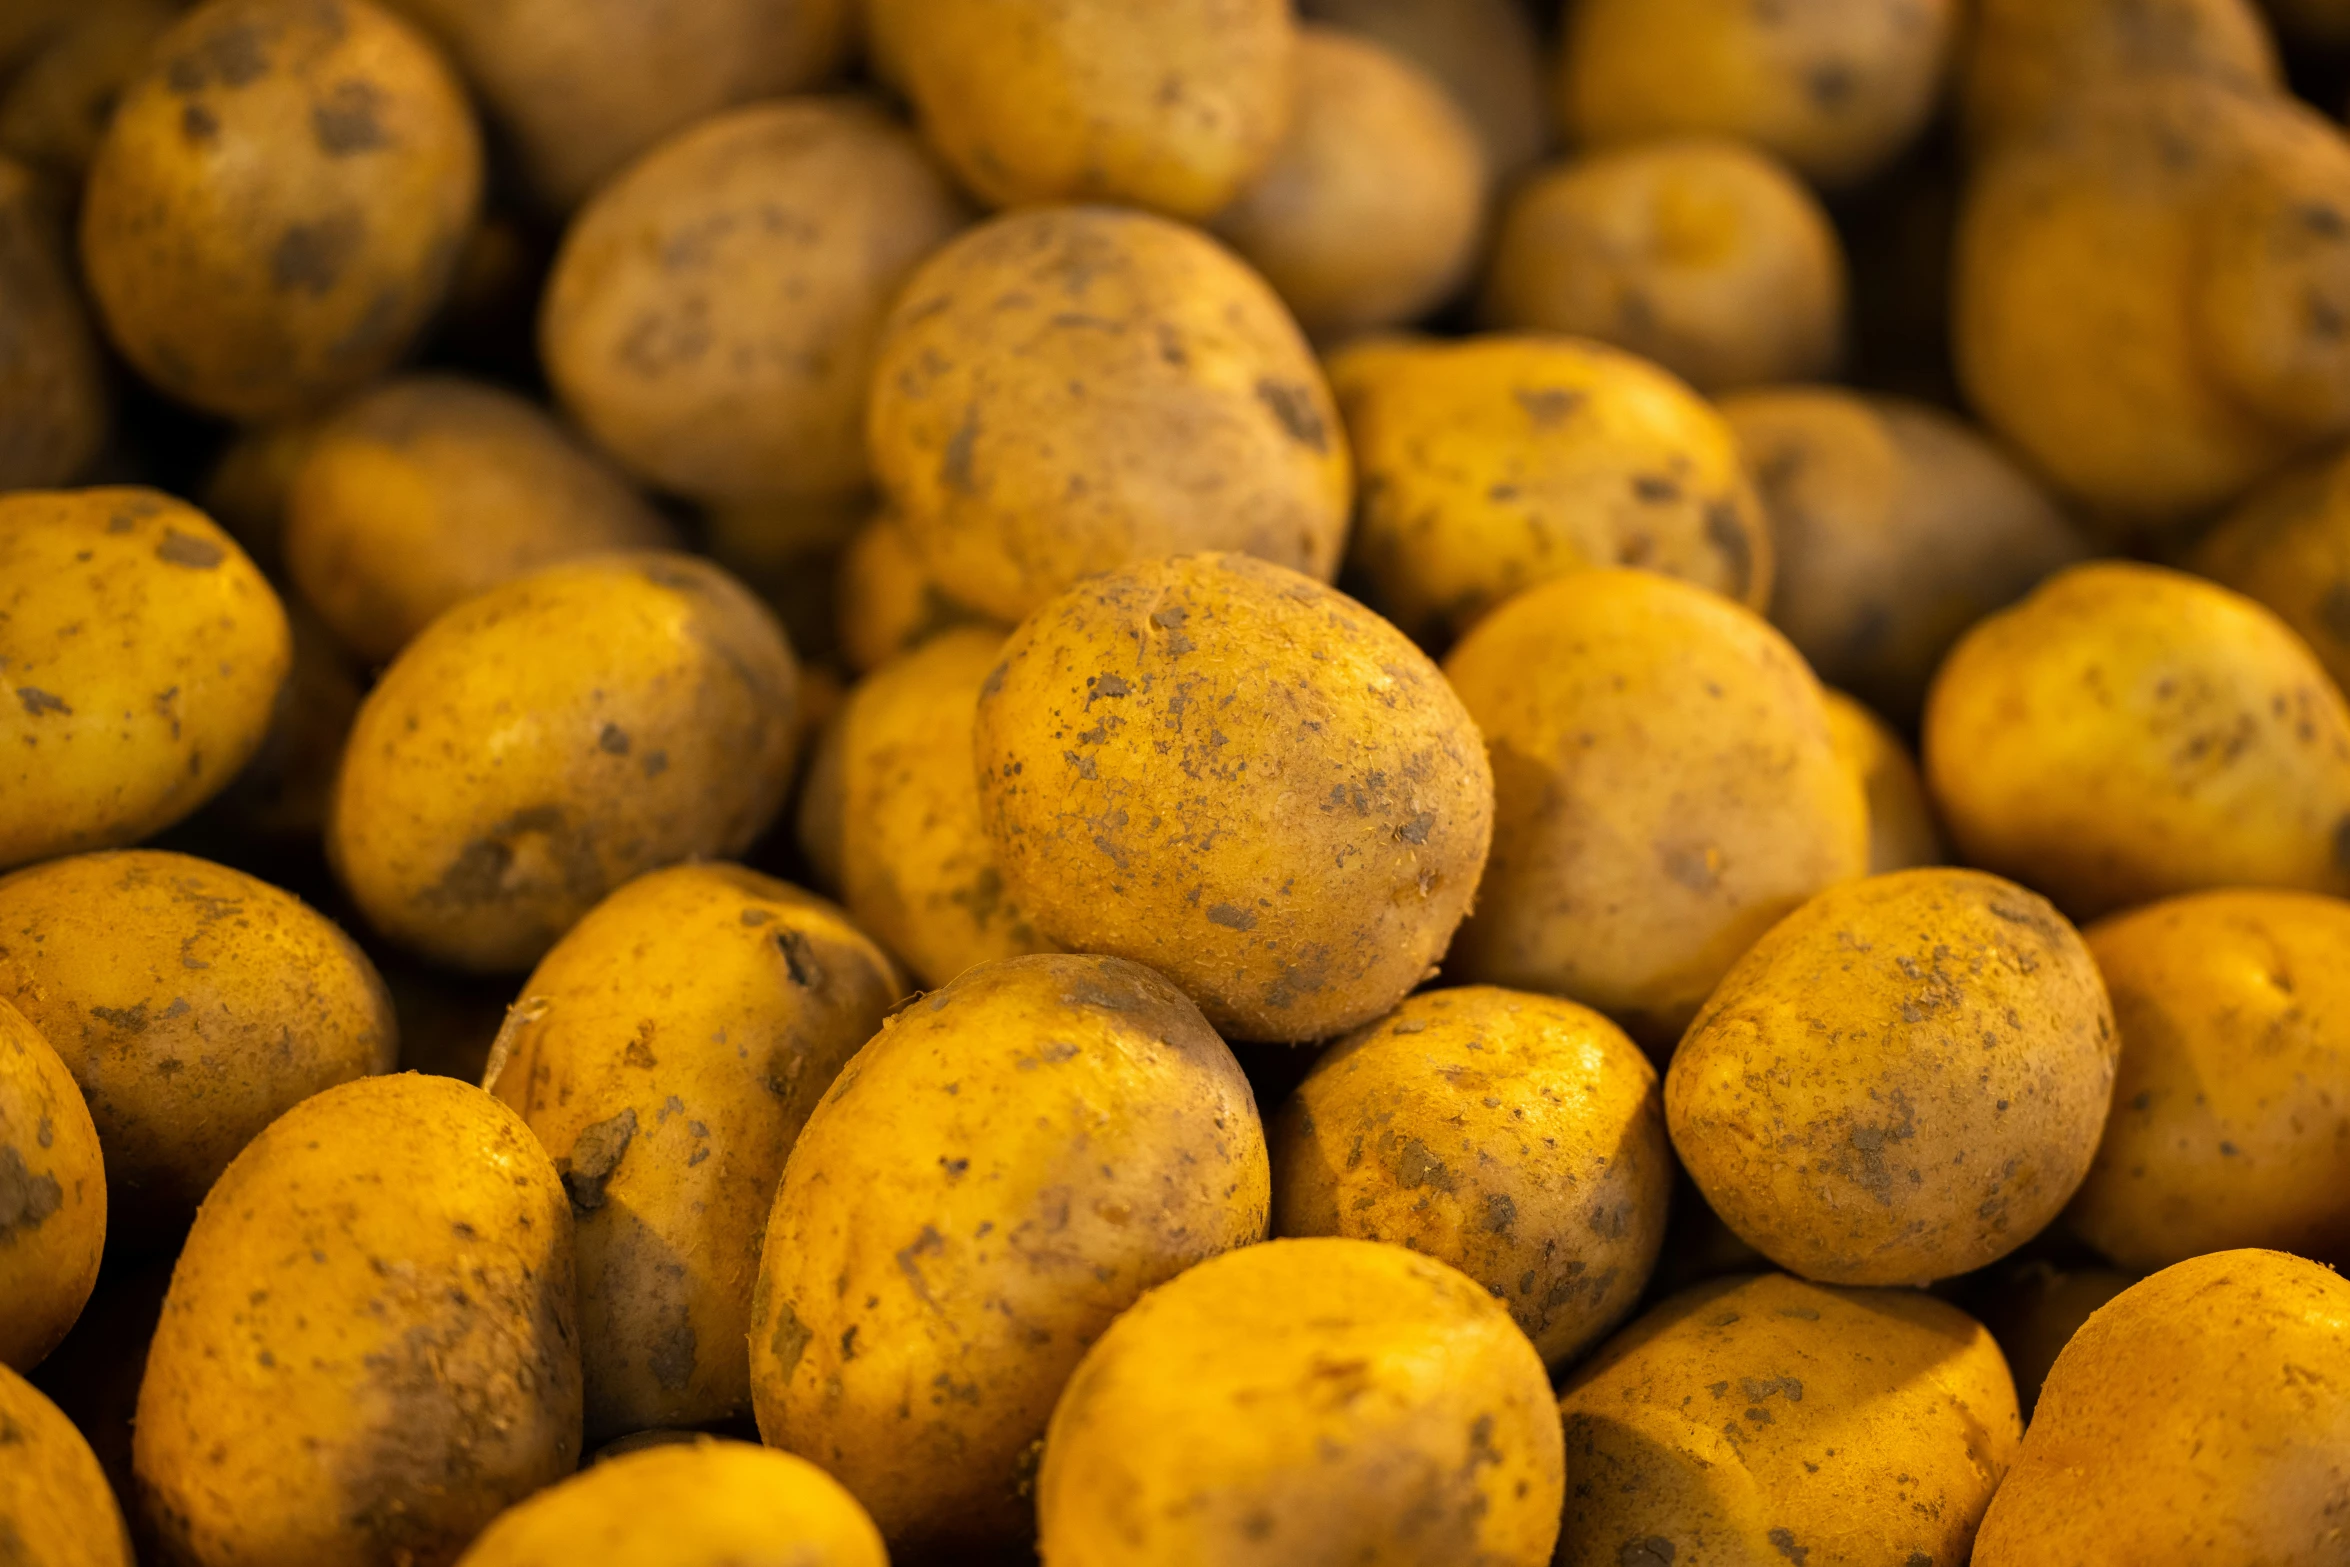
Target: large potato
point(52, 1201)
point(2027, 61)
point(1060, 392)
point(1003, 1169)
point(1303, 1403)
point(1486, 54)
point(554, 737)
point(1166, 776)
point(56, 108)
point(55, 1508)
point(140, 658)
point(2288, 545)
point(1902, 834)
point(52, 383)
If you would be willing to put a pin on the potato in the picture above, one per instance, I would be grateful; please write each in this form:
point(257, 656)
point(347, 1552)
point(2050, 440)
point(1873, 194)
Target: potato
point(550, 739)
point(143, 653)
point(1666, 786)
point(1290, 839)
point(1063, 391)
point(1497, 463)
point(1764, 1419)
point(247, 489)
point(2027, 61)
point(368, 1351)
point(55, 109)
point(1372, 208)
point(1517, 1137)
point(884, 600)
point(429, 489)
point(55, 1508)
point(1902, 834)
point(2203, 1417)
point(666, 1053)
point(2127, 733)
point(52, 383)
point(1001, 1170)
point(1484, 52)
point(2035, 1309)
point(713, 315)
point(52, 1201)
point(707, 1504)
point(1307, 1401)
point(1901, 1082)
point(282, 794)
point(2288, 545)
point(1698, 252)
point(277, 206)
point(1836, 87)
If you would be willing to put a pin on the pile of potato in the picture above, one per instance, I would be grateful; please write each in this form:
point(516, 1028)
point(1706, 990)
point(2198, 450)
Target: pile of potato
point(1337, 610)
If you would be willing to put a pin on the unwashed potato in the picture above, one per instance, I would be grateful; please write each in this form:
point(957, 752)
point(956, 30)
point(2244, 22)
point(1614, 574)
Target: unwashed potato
point(2127, 733)
point(1484, 52)
point(1757, 1420)
point(2034, 1310)
point(2027, 61)
point(278, 203)
point(56, 108)
point(52, 1204)
point(247, 489)
point(1003, 1169)
point(1666, 787)
point(428, 489)
point(2288, 545)
point(2201, 1418)
point(55, 1508)
point(1166, 777)
point(1698, 252)
point(368, 1351)
point(52, 384)
point(1903, 1081)
point(1306, 1401)
point(1519, 1138)
point(1062, 391)
point(548, 740)
point(1497, 463)
point(1902, 834)
point(885, 600)
point(140, 658)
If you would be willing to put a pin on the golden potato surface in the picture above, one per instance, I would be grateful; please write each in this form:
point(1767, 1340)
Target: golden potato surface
point(2025, 61)
point(1902, 834)
point(55, 1508)
point(2288, 545)
point(885, 600)
point(1486, 54)
point(52, 383)
point(52, 1204)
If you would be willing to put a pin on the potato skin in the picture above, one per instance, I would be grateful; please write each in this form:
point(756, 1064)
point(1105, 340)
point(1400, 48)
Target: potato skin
point(278, 203)
point(550, 739)
point(1318, 1400)
point(55, 108)
point(247, 489)
point(1519, 1138)
point(1753, 1419)
point(51, 380)
point(52, 1205)
point(55, 1506)
point(1902, 834)
point(141, 653)
point(1164, 778)
point(2288, 545)
point(2026, 61)
point(1903, 1081)
point(1484, 52)
point(369, 1348)
point(884, 600)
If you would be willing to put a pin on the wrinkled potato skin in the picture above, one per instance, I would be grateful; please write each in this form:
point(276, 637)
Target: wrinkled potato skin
point(1519, 1138)
point(1315, 1400)
point(2026, 61)
point(278, 204)
point(2288, 546)
point(56, 108)
point(1003, 1169)
point(2202, 1419)
point(1060, 392)
point(1636, 850)
point(2035, 1309)
point(666, 1053)
point(51, 379)
point(1485, 53)
point(2128, 733)
point(1164, 778)
point(1758, 1419)
point(140, 657)
point(1902, 834)
point(52, 1204)
point(1903, 1081)
point(885, 601)
point(54, 1502)
point(545, 742)
point(1497, 463)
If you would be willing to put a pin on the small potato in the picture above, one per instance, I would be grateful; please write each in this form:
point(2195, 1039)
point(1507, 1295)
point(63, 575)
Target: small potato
point(140, 658)
point(429, 489)
point(1497, 463)
point(1165, 777)
point(553, 738)
point(1004, 1168)
point(52, 383)
point(56, 108)
point(2127, 733)
point(1486, 54)
point(885, 600)
point(2027, 61)
point(1700, 253)
point(2034, 1311)
point(1666, 787)
point(1517, 1137)
point(1765, 1419)
point(247, 490)
point(278, 203)
point(1060, 392)
point(55, 1507)
point(2288, 546)
point(1901, 1082)
point(1902, 834)
point(52, 1204)
point(368, 1350)
point(1307, 1401)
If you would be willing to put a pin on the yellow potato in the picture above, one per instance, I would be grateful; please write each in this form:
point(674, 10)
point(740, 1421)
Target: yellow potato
point(1902, 834)
point(52, 383)
point(885, 601)
point(2035, 1309)
point(1486, 54)
point(2288, 545)
point(56, 108)
point(2027, 61)
point(55, 1508)
point(52, 1201)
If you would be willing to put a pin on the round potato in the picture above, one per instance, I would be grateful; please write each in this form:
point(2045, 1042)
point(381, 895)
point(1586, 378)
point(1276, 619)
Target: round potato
point(278, 203)
point(51, 379)
point(1700, 253)
point(140, 659)
point(553, 738)
point(1316, 1400)
point(885, 600)
point(52, 1202)
point(56, 108)
point(1164, 777)
point(1495, 464)
point(2027, 61)
point(2035, 1309)
point(1765, 1419)
point(994, 1177)
point(1063, 391)
point(55, 1507)
point(1902, 834)
point(1903, 1081)
point(2288, 546)
point(2127, 733)
point(1517, 1137)
point(1484, 52)
point(1666, 786)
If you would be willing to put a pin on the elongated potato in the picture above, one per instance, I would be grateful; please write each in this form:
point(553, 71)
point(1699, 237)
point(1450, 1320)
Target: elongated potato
point(52, 382)
point(52, 1201)
point(1902, 834)
point(55, 1508)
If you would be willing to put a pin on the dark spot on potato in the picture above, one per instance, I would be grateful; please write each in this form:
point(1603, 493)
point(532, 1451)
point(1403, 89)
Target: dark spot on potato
point(1549, 404)
point(199, 124)
point(1783, 1540)
point(1415, 831)
point(1655, 1551)
point(231, 55)
point(130, 1020)
point(799, 959)
point(756, 917)
point(1500, 1214)
point(44, 1132)
point(1737, 550)
point(26, 1199)
point(1757, 1389)
point(954, 464)
point(1099, 686)
point(1294, 407)
point(790, 1338)
point(1830, 84)
point(594, 1157)
point(1655, 490)
point(909, 1262)
point(1697, 868)
point(1416, 1166)
point(347, 121)
point(37, 701)
point(614, 740)
point(639, 1053)
point(478, 874)
point(656, 763)
point(1231, 916)
point(672, 1359)
point(1919, 1559)
point(181, 549)
point(311, 256)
